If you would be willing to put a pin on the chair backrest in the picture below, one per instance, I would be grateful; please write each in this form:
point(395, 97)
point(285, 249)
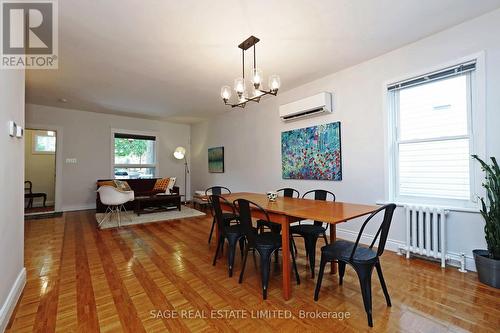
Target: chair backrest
point(320, 195)
point(215, 201)
point(29, 188)
point(245, 213)
point(217, 190)
point(383, 230)
point(289, 192)
point(111, 196)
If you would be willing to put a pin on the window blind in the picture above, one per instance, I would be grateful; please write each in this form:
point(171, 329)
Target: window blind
point(437, 75)
point(134, 136)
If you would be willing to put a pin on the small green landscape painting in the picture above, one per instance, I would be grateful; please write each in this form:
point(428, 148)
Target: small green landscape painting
point(312, 153)
point(216, 160)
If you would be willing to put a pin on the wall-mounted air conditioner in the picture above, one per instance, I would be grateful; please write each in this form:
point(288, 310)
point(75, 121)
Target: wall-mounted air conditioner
point(307, 107)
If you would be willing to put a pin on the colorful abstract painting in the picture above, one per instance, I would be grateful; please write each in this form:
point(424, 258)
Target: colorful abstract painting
point(312, 153)
point(216, 159)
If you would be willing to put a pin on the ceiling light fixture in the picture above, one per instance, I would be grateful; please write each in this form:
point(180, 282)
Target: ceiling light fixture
point(256, 80)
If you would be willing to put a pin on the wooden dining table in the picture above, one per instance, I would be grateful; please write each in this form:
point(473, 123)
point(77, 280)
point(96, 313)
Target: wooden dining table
point(289, 210)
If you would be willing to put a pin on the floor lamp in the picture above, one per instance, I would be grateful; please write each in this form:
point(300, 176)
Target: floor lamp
point(180, 154)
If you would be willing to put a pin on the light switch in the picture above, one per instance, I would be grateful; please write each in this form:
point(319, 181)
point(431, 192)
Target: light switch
point(12, 128)
point(71, 161)
point(19, 132)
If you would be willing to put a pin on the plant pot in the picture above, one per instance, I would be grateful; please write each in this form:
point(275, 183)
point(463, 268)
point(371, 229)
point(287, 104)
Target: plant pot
point(488, 269)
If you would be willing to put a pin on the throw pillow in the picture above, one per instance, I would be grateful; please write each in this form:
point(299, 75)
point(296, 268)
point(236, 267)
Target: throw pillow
point(106, 183)
point(161, 184)
point(171, 184)
point(122, 185)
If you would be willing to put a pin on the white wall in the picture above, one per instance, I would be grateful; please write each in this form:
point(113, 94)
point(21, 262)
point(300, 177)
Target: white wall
point(12, 272)
point(86, 136)
point(251, 137)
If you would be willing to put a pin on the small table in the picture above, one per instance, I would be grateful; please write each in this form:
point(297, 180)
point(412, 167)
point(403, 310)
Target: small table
point(200, 199)
point(162, 202)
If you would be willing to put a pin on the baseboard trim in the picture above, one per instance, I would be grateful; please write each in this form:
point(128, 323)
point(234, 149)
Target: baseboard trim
point(76, 208)
point(12, 298)
point(453, 258)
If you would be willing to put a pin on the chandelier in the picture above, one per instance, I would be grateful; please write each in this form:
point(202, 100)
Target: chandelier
point(244, 96)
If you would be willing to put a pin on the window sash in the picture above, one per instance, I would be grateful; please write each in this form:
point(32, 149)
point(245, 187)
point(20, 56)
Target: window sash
point(123, 134)
point(394, 108)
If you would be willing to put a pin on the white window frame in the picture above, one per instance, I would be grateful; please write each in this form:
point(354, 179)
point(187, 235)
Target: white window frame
point(155, 165)
point(34, 143)
point(476, 134)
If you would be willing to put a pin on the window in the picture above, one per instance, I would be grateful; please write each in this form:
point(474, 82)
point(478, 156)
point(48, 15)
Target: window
point(432, 140)
point(134, 156)
point(44, 142)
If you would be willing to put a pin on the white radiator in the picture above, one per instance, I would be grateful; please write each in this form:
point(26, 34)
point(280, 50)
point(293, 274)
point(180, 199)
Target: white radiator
point(426, 232)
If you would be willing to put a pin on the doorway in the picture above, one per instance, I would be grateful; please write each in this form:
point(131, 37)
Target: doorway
point(40, 171)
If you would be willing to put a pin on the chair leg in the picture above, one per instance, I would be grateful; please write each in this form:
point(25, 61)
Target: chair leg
point(320, 277)
point(126, 212)
point(294, 245)
point(364, 276)
point(118, 212)
point(230, 255)
point(310, 241)
point(297, 277)
point(244, 264)
point(221, 239)
point(265, 267)
point(242, 246)
point(382, 282)
point(325, 238)
point(211, 231)
point(107, 215)
point(341, 272)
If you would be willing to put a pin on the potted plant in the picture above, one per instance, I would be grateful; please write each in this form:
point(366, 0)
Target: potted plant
point(488, 261)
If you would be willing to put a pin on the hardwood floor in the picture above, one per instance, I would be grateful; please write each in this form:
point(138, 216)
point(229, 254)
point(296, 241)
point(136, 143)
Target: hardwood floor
point(131, 279)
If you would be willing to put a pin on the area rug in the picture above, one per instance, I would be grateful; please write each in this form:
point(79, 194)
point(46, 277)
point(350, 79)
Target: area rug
point(130, 218)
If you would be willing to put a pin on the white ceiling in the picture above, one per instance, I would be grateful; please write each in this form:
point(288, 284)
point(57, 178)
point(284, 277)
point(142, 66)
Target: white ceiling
point(165, 59)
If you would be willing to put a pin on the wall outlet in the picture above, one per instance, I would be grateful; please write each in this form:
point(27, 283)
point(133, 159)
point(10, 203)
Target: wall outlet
point(71, 161)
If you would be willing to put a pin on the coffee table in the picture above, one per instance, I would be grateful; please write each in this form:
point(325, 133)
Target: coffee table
point(161, 202)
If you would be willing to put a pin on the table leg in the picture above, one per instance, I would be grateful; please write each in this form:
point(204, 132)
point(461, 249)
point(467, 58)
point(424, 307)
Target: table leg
point(333, 236)
point(285, 243)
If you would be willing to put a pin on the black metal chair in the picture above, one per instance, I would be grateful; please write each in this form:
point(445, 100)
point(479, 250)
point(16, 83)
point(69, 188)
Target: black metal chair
point(29, 195)
point(311, 232)
point(275, 227)
point(361, 258)
point(233, 233)
point(266, 243)
point(217, 190)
